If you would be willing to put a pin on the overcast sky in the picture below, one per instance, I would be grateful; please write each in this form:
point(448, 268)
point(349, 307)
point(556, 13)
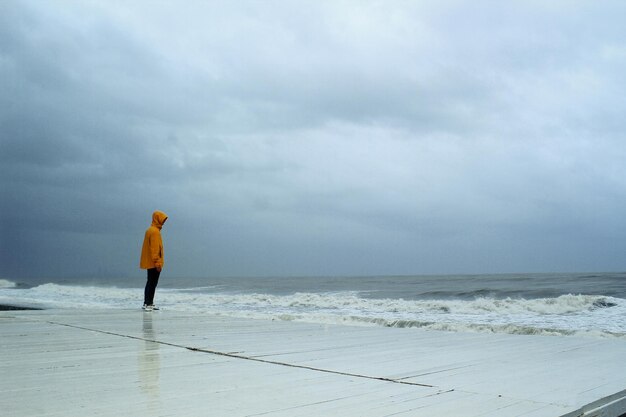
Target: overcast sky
point(313, 137)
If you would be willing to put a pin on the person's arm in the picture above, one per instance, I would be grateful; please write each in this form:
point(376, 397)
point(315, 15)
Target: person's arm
point(155, 250)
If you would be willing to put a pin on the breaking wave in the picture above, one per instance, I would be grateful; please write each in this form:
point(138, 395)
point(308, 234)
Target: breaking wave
point(565, 315)
point(7, 284)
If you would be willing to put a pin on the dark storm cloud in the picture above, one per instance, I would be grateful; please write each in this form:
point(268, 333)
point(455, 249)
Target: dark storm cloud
point(343, 137)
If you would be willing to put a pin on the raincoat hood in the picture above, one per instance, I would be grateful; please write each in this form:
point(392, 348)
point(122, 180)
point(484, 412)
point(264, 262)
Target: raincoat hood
point(158, 218)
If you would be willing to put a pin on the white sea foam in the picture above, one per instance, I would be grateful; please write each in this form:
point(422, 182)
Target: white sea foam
point(565, 315)
point(7, 284)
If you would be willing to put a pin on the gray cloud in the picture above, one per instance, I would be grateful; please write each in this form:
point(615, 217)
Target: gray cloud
point(312, 138)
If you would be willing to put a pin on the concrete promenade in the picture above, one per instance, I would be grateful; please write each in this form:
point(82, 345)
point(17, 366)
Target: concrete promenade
point(165, 363)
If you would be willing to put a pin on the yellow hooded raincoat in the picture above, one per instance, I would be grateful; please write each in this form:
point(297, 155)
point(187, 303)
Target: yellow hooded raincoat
point(152, 250)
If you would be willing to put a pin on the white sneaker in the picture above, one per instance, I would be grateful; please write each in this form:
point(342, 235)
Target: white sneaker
point(149, 308)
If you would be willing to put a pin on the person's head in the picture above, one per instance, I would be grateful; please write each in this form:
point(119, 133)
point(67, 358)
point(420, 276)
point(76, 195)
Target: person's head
point(159, 218)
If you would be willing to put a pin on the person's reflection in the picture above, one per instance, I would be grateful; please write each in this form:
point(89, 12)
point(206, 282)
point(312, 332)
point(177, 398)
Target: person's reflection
point(149, 365)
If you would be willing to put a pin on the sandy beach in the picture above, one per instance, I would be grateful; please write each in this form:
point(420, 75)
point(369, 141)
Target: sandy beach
point(127, 362)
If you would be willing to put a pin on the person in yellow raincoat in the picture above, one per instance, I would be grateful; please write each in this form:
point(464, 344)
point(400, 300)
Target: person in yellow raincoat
point(152, 258)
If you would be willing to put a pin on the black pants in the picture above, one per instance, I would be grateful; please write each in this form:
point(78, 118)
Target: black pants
point(151, 284)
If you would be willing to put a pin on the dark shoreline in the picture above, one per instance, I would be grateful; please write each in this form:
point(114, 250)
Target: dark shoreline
point(6, 307)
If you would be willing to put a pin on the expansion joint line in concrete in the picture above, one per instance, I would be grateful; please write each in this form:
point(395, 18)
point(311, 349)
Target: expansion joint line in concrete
point(250, 358)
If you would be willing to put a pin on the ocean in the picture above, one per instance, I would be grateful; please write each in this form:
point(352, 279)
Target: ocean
point(589, 305)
